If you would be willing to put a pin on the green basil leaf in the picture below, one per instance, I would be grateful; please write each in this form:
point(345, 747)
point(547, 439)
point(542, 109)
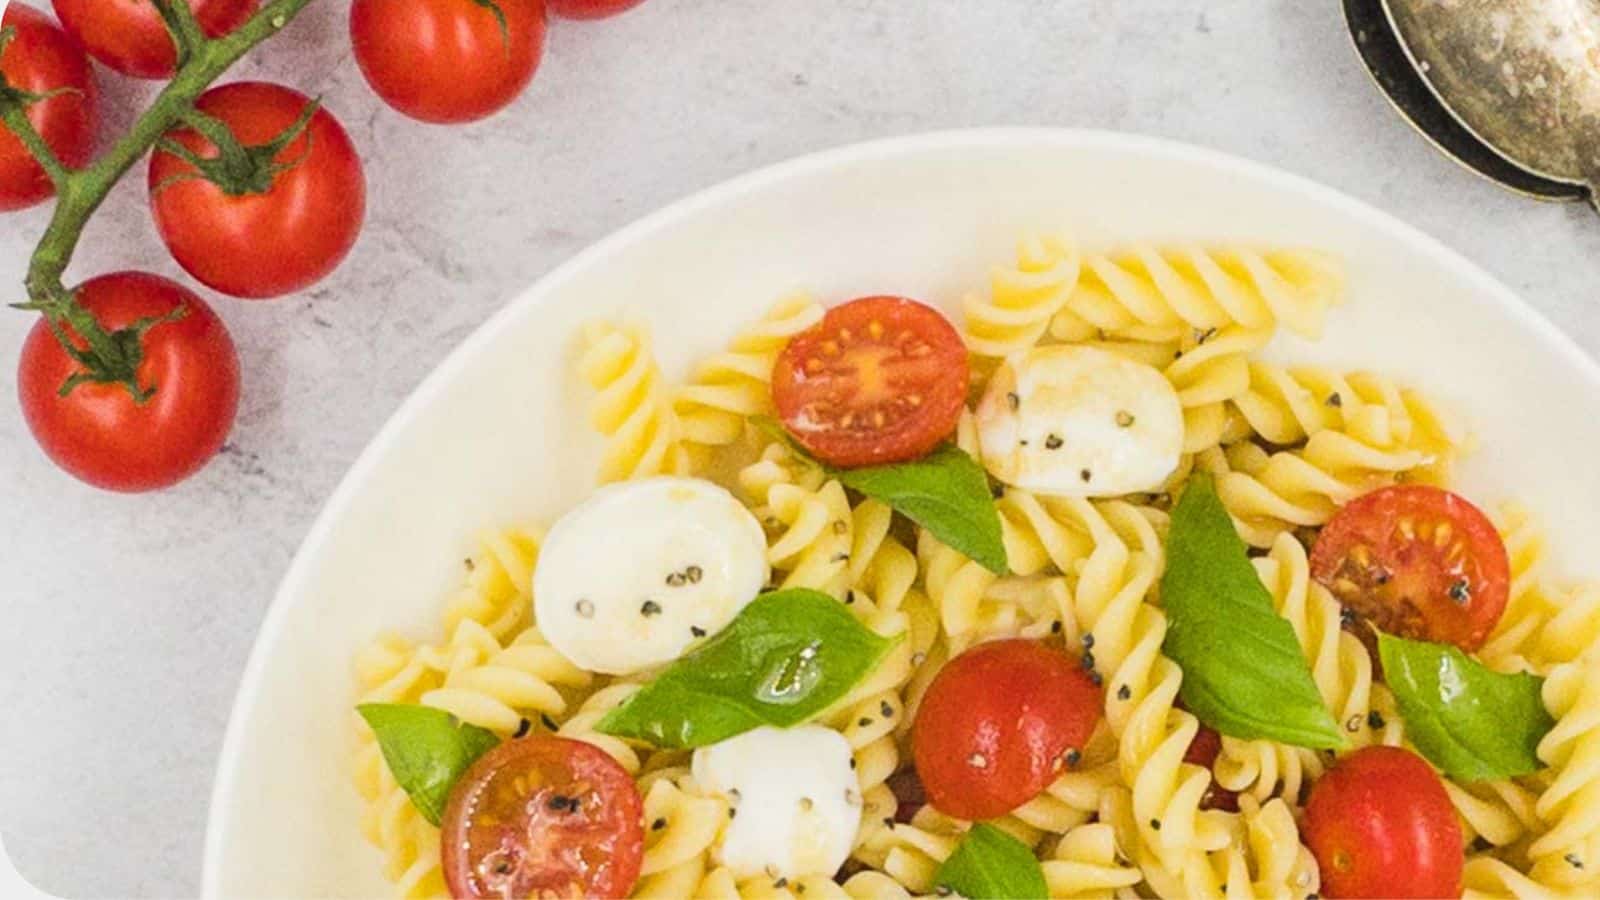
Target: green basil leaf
point(946, 492)
point(788, 656)
point(1472, 723)
point(427, 750)
point(1244, 673)
point(992, 865)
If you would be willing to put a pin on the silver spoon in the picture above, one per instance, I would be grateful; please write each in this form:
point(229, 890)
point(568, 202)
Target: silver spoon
point(1509, 88)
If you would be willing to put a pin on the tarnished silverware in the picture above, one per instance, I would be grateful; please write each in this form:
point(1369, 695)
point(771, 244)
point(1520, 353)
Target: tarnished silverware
point(1510, 88)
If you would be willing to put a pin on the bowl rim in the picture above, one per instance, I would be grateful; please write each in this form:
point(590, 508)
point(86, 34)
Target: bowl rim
point(539, 292)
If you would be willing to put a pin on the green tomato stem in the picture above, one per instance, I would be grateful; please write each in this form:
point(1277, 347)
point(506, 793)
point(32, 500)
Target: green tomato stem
point(81, 191)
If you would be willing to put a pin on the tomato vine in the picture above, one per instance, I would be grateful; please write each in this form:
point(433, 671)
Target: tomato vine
point(113, 357)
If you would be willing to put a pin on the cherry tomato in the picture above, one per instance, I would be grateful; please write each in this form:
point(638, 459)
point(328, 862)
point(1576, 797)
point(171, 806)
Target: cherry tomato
point(272, 242)
point(1203, 752)
point(42, 58)
point(447, 60)
point(590, 9)
point(129, 35)
point(998, 724)
point(878, 380)
point(543, 817)
point(1418, 562)
point(97, 432)
point(1381, 825)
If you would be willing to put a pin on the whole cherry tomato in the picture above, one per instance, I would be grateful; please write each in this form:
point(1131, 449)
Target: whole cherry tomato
point(998, 724)
point(130, 36)
point(590, 9)
point(98, 432)
point(1381, 825)
point(878, 380)
point(1419, 562)
point(41, 58)
point(543, 816)
point(275, 223)
point(448, 60)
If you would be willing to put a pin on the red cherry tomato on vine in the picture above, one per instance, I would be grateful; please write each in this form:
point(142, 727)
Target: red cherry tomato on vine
point(1418, 562)
point(878, 380)
point(543, 817)
point(447, 60)
point(590, 9)
point(130, 37)
point(42, 58)
point(97, 432)
point(998, 724)
point(270, 238)
point(1381, 825)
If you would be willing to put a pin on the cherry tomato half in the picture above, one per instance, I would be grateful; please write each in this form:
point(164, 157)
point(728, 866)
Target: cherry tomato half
point(1381, 825)
point(97, 432)
point(590, 9)
point(998, 724)
point(277, 241)
point(878, 380)
point(1418, 562)
point(447, 60)
point(543, 817)
point(1203, 752)
point(130, 37)
point(40, 59)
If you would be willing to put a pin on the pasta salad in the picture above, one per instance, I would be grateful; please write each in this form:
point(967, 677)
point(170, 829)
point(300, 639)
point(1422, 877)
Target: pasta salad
point(1079, 597)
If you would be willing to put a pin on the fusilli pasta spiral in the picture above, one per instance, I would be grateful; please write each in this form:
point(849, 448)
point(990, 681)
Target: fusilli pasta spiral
point(632, 406)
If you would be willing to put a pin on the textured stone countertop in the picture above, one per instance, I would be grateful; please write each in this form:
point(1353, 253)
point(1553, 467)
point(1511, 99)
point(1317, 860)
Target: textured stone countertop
point(127, 620)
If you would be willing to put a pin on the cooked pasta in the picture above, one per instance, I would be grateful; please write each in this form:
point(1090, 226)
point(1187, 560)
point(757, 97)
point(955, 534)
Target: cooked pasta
point(1141, 809)
point(632, 405)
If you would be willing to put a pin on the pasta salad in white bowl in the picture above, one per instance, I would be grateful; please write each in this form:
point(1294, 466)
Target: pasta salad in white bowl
point(992, 514)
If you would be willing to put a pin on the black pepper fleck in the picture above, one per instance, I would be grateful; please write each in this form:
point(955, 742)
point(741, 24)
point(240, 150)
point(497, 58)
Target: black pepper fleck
point(694, 574)
point(781, 883)
point(677, 579)
point(523, 728)
point(1055, 627)
point(1573, 860)
point(1088, 641)
point(1375, 720)
point(1124, 692)
point(1461, 592)
point(1155, 824)
point(697, 631)
point(1053, 442)
point(1086, 475)
point(650, 608)
point(1336, 400)
point(658, 824)
point(1353, 724)
point(840, 526)
point(1013, 401)
point(1096, 678)
point(886, 709)
point(1088, 660)
point(841, 557)
point(865, 721)
point(546, 721)
point(888, 821)
point(1073, 757)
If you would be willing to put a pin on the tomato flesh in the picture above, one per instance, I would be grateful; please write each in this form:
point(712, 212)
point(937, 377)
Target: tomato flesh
point(130, 36)
point(97, 432)
point(998, 724)
point(42, 58)
point(447, 61)
point(1203, 752)
point(272, 242)
point(1418, 562)
point(543, 816)
point(878, 380)
point(1381, 825)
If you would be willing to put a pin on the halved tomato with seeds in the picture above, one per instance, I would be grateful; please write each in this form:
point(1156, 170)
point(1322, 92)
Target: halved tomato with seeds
point(878, 380)
point(1418, 562)
point(543, 817)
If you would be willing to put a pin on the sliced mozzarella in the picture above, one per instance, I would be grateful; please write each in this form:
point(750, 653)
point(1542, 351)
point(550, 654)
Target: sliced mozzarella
point(1080, 422)
point(642, 569)
point(795, 799)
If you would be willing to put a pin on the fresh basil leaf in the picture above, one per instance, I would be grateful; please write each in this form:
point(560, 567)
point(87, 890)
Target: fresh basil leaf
point(788, 656)
point(1244, 673)
point(946, 492)
point(992, 865)
point(1472, 723)
point(427, 750)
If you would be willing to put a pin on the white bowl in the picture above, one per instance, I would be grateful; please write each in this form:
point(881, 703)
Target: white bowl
point(498, 434)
